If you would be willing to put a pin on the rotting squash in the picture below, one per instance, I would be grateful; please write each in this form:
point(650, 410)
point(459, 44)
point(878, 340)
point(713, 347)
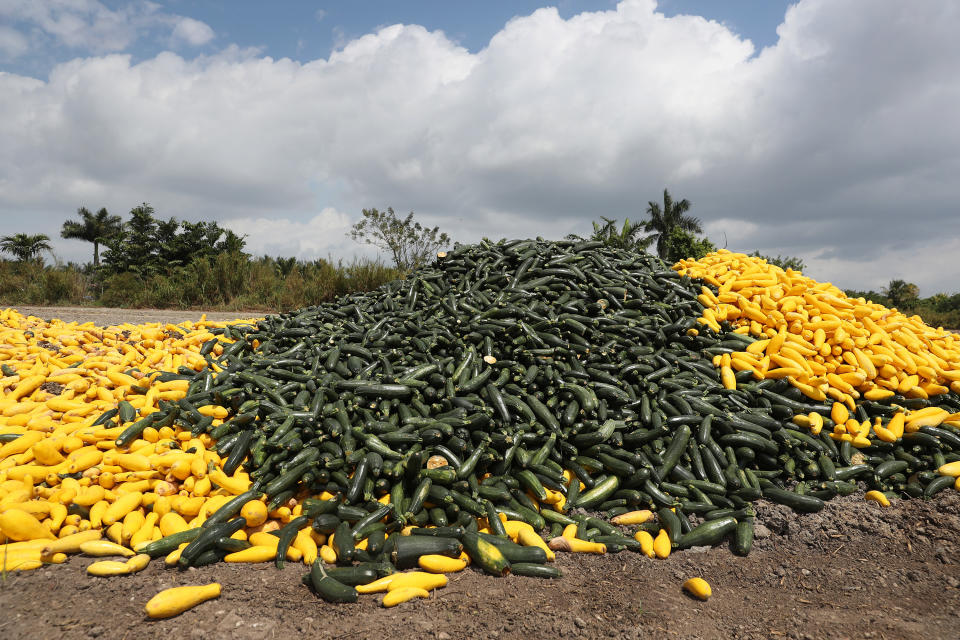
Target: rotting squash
point(549, 377)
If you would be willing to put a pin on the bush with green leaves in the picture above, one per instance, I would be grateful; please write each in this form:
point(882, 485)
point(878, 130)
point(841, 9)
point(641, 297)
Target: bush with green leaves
point(147, 246)
point(902, 294)
point(682, 245)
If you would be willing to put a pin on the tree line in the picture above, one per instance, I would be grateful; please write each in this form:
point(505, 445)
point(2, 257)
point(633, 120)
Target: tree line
point(149, 261)
point(145, 245)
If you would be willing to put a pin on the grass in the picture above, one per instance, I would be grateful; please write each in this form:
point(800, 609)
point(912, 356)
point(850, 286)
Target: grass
point(228, 282)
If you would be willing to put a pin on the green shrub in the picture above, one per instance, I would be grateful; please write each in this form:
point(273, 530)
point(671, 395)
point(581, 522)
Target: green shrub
point(230, 272)
point(62, 286)
point(14, 282)
point(122, 290)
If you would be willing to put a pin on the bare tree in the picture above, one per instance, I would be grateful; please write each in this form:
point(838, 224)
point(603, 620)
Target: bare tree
point(409, 244)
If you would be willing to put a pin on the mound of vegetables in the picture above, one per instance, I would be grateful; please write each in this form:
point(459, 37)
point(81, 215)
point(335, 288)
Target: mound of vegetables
point(521, 392)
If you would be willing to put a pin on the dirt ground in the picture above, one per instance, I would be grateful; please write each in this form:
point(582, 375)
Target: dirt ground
point(854, 570)
point(102, 316)
point(850, 571)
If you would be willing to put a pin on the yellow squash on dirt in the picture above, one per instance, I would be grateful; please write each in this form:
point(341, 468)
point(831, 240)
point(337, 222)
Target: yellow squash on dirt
point(106, 568)
point(878, 497)
point(420, 579)
point(174, 601)
point(396, 596)
point(698, 588)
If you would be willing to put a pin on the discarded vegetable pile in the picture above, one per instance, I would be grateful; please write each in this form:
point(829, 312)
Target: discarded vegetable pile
point(452, 416)
point(824, 343)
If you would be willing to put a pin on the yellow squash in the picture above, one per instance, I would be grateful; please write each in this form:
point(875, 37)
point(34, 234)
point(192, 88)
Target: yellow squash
point(394, 581)
point(878, 497)
point(174, 601)
point(100, 548)
point(395, 596)
point(20, 525)
point(661, 544)
point(698, 588)
point(633, 517)
point(433, 563)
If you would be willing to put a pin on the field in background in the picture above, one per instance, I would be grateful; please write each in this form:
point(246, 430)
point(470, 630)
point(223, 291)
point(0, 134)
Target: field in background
point(229, 282)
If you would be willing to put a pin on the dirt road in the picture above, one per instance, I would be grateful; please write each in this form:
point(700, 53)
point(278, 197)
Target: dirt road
point(102, 316)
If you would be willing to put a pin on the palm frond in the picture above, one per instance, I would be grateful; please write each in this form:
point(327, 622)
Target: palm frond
point(689, 223)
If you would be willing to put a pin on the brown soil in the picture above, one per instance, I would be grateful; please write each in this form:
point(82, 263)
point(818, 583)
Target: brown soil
point(851, 571)
point(854, 570)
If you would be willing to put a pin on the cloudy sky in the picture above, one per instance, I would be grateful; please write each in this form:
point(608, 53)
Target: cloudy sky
point(826, 129)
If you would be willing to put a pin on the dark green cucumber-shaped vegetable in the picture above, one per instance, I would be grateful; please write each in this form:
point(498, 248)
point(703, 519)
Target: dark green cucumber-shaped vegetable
point(238, 452)
point(207, 538)
point(514, 552)
point(532, 570)
point(937, 485)
point(165, 545)
point(670, 521)
point(486, 555)
point(231, 544)
point(408, 549)
point(681, 436)
point(126, 411)
point(354, 576)
point(328, 588)
point(135, 430)
point(708, 533)
point(285, 536)
point(601, 491)
point(743, 537)
point(343, 543)
point(797, 502)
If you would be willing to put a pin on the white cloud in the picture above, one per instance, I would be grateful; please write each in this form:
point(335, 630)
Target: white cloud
point(91, 26)
point(936, 262)
point(319, 15)
point(12, 43)
point(322, 235)
point(729, 232)
point(192, 32)
point(838, 144)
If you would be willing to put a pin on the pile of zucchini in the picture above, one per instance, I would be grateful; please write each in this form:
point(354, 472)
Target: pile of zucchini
point(519, 365)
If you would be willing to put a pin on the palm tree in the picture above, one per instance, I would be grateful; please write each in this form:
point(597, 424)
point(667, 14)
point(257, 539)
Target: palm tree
point(24, 247)
point(902, 294)
point(624, 238)
point(670, 217)
point(92, 228)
